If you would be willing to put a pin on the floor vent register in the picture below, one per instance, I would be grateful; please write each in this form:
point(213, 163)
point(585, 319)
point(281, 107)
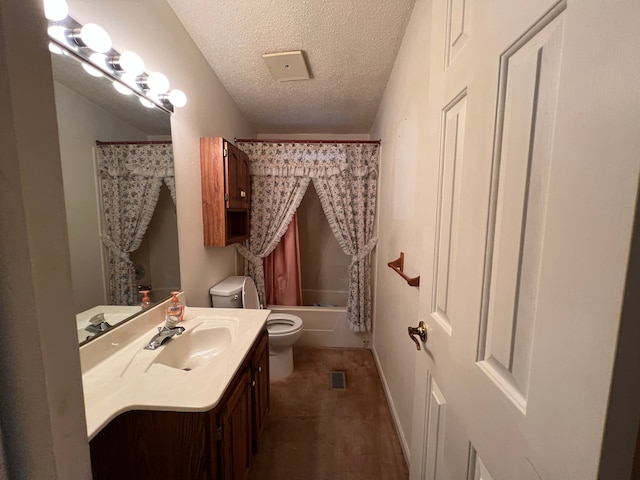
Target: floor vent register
point(338, 380)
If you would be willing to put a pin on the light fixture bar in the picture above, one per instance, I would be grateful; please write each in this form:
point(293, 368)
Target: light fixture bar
point(70, 47)
point(109, 74)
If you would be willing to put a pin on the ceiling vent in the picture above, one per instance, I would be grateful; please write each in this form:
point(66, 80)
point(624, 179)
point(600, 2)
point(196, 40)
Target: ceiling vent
point(286, 66)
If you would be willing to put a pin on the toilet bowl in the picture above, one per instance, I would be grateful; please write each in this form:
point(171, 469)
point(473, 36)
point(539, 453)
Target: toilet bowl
point(284, 329)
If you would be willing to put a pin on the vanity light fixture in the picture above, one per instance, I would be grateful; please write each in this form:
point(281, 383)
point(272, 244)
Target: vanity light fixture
point(123, 89)
point(146, 103)
point(177, 98)
point(58, 33)
point(97, 59)
point(130, 81)
point(157, 82)
point(127, 62)
point(55, 9)
point(92, 36)
point(53, 48)
point(91, 44)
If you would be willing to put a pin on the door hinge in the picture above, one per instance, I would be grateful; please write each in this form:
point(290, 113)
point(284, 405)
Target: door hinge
point(226, 197)
point(219, 433)
point(225, 152)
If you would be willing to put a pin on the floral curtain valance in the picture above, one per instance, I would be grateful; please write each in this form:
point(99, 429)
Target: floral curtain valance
point(144, 160)
point(345, 176)
point(311, 160)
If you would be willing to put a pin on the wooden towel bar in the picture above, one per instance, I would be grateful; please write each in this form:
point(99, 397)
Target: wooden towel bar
point(398, 267)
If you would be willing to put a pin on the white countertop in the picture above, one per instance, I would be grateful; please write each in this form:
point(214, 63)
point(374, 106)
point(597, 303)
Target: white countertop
point(127, 377)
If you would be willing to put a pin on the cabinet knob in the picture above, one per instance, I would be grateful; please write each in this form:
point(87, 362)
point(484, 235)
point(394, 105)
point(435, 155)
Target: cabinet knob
point(259, 369)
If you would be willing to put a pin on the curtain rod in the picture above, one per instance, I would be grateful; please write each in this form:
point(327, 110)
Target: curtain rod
point(277, 140)
point(149, 142)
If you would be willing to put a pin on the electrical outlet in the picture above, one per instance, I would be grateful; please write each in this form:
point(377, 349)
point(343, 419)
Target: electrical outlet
point(366, 343)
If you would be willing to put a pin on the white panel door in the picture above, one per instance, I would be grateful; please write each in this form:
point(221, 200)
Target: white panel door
point(532, 113)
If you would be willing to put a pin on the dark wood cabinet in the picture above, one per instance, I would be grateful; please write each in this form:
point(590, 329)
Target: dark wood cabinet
point(226, 192)
point(234, 427)
point(260, 384)
point(213, 445)
point(237, 187)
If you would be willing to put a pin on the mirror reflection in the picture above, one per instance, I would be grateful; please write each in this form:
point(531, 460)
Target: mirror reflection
point(119, 197)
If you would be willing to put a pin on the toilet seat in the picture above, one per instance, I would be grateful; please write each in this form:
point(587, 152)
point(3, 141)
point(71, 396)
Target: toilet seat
point(279, 324)
point(250, 294)
point(284, 329)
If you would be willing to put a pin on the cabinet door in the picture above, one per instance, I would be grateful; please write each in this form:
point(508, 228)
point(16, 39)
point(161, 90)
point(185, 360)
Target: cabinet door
point(260, 365)
point(237, 180)
point(236, 429)
point(244, 180)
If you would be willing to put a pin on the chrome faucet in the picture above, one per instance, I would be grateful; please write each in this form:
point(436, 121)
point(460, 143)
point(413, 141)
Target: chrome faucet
point(164, 333)
point(97, 324)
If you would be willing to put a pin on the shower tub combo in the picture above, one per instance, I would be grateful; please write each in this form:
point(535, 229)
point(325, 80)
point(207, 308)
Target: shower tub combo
point(323, 323)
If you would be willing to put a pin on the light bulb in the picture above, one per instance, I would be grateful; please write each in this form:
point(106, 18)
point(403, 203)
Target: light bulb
point(99, 59)
point(177, 98)
point(95, 37)
point(157, 82)
point(122, 88)
point(130, 80)
point(131, 63)
point(56, 10)
point(93, 71)
point(58, 33)
point(53, 48)
point(153, 96)
point(146, 102)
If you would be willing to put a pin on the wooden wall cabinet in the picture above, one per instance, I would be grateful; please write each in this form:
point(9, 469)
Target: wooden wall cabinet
point(226, 192)
point(213, 445)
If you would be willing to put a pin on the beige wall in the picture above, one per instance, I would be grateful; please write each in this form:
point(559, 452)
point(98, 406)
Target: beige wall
point(402, 219)
point(80, 124)
point(151, 29)
point(41, 402)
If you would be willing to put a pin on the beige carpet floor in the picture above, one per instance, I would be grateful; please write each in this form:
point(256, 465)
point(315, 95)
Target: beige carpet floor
point(318, 433)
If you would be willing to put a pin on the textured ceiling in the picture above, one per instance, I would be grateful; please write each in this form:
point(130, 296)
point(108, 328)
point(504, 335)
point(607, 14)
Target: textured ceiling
point(350, 46)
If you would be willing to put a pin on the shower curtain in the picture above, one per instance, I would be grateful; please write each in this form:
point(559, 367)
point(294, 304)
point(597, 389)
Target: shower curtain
point(130, 179)
point(282, 275)
point(345, 176)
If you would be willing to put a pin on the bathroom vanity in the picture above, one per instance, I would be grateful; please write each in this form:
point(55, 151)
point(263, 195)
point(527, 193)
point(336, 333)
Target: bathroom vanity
point(172, 414)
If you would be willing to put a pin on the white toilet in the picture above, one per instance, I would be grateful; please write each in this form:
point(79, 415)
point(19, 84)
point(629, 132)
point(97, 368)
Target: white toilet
point(284, 329)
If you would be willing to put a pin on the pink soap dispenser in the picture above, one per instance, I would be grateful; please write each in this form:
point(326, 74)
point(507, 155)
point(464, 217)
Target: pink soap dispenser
point(175, 310)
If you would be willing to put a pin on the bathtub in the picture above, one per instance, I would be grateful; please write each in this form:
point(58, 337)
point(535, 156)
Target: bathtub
point(325, 327)
point(334, 298)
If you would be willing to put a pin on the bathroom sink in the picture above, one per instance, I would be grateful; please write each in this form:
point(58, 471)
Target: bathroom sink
point(195, 347)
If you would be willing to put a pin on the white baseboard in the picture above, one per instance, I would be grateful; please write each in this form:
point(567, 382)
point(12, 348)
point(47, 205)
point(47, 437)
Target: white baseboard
point(406, 449)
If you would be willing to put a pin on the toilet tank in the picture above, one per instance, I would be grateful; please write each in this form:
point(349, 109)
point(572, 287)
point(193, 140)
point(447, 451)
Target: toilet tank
point(227, 293)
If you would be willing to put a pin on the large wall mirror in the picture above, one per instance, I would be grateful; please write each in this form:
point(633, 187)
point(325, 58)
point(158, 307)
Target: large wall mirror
point(90, 110)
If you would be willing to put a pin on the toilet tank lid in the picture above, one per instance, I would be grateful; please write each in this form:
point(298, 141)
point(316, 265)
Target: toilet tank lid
point(227, 287)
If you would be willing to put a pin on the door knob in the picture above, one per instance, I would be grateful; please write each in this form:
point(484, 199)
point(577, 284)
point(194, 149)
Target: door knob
point(421, 331)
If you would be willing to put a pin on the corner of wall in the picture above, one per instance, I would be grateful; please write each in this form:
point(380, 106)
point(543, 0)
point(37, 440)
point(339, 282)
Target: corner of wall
point(401, 222)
